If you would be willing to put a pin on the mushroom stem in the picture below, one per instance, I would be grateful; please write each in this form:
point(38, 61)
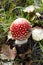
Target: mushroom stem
point(21, 41)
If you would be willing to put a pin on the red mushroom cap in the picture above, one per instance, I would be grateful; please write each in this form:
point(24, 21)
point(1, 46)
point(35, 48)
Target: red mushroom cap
point(20, 28)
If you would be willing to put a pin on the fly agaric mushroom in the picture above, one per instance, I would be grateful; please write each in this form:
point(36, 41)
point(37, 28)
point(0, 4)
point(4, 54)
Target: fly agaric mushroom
point(20, 30)
point(37, 33)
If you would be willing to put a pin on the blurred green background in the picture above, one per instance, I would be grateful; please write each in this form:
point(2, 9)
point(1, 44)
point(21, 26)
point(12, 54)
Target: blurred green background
point(12, 9)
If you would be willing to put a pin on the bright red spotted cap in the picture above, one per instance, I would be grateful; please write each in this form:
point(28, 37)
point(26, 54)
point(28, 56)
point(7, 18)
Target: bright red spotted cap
point(20, 29)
